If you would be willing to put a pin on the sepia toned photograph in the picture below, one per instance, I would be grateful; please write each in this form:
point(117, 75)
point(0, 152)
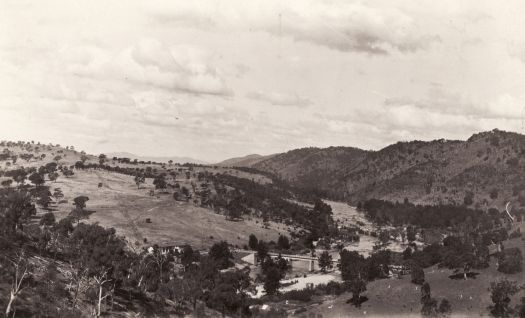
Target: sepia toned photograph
point(262, 158)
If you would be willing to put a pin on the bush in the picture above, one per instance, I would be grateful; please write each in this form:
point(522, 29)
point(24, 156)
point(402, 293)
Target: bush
point(303, 295)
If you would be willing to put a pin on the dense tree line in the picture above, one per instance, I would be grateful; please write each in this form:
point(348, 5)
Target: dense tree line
point(427, 216)
point(238, 196)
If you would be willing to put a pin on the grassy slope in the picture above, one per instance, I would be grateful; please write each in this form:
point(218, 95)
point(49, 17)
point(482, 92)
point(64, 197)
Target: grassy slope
point(119, 204)
point(399, 297)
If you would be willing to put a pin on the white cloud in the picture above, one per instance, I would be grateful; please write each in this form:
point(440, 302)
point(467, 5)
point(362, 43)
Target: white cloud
point(280, 99)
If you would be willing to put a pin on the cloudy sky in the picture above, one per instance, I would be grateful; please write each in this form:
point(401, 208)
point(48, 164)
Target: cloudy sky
point(216, 79)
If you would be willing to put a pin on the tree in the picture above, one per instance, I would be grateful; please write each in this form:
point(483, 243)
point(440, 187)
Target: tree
point(253, 242)
point(101, 253)
point(160, 183)
point(21, 279)
point(80, 202)
point(501, 293)
point(57, 158)
point(262, 251)
point(16, 208)
point(53, 176)
point(57, 194)
point(220, 253)
point(229, 292)
point(102, 158)
point(185, 192)
point(47, 219)
point(325, 261)
point(36, 179)
point(272, 280)
point(187, 256)
point(139, 179)
point(411, 233)
point(68, 173)
point(417, 273)
point(283, 243)
point(353, 272)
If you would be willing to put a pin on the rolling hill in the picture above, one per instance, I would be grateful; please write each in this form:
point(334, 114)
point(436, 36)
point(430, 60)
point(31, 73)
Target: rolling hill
point(487, 169)
point(175, 159)
point(246, 161)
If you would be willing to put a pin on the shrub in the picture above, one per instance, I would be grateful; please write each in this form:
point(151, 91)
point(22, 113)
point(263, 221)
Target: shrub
point(304, 295)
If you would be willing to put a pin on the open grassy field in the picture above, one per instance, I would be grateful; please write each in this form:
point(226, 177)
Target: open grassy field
point(119, 204)
point(397, 297)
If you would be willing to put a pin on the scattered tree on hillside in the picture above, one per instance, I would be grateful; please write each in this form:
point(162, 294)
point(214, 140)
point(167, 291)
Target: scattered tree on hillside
point(57, 194)
point(501, 293)
point(139, 179)
point(102, 158)
point(80, 202)
point(16, 209)
point(68, 173)
point(36, 179)
point(53, 176)
point(160, 183)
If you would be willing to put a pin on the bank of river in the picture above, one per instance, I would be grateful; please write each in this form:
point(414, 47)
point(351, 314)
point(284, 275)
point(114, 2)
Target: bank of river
point(349, 216)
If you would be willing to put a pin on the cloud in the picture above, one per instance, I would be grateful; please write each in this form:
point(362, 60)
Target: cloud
point(347, 26)
point(355, 27)
point(150, 63)
point(280, 99)
point(439, 100)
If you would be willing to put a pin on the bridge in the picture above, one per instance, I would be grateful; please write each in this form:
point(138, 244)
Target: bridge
point(310, 260)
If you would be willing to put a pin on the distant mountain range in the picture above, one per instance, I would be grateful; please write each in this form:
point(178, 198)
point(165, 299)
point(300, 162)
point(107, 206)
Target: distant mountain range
point(156, 159)
point(487, 170)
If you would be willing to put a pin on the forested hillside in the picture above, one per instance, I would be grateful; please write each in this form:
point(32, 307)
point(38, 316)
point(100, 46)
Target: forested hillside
point(485, 170)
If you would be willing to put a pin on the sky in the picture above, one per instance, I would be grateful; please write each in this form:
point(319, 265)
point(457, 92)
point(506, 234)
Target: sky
point(219, 79)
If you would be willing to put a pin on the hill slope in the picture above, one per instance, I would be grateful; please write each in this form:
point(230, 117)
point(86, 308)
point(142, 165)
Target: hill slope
point(490, 165)
point(246, 161)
